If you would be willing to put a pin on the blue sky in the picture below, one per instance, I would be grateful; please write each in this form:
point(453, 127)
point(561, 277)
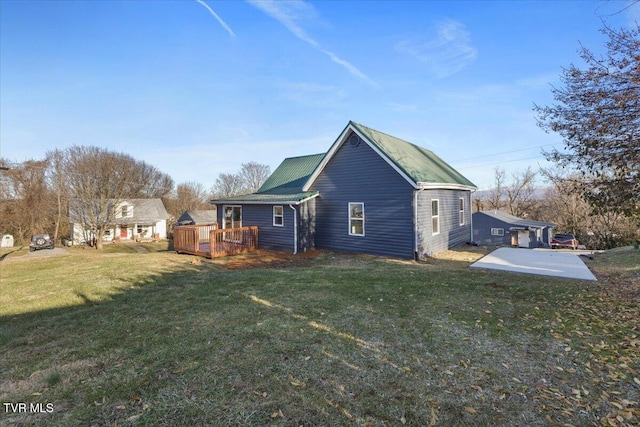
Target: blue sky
point(197, 88)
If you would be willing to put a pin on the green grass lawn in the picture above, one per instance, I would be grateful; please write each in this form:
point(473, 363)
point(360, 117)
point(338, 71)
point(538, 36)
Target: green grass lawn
point(125, 338)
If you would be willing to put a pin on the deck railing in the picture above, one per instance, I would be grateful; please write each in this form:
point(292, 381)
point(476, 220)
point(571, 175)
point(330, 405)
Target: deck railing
point(209, 241)
point(193, 239)
point(229, 241)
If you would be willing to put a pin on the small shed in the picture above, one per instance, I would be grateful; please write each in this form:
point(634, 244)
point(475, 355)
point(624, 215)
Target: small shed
point(198, 217)
point(496, 228)
point(7, 241)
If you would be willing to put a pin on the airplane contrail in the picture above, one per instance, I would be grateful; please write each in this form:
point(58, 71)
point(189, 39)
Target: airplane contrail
point(215, 15)
point(284, 12)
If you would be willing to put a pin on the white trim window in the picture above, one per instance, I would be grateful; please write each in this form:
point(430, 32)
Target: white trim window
point(278, 216)
point(232, 217)
point(461, 211)
point(435, 216)
point(497, 231)
point(356, 219)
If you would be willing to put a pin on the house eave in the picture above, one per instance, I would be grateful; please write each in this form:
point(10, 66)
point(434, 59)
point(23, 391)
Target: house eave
point(262, 202)
point(444, 186)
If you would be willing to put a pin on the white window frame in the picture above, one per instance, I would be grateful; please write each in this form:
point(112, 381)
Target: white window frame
point(351, 219)
point(224, 218)
point(461, 205)
point(435, 230)
point(279, 216)
point(497, 231)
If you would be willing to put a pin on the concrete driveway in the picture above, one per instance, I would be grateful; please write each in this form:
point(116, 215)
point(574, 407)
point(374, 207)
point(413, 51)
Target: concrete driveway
point(541, 262)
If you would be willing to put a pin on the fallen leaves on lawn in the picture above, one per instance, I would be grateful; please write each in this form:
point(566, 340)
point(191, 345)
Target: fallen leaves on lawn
point(599, 334)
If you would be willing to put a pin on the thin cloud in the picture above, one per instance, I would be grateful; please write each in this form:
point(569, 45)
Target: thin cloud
point(449, 52)
point(288, 14)
point(215, 15)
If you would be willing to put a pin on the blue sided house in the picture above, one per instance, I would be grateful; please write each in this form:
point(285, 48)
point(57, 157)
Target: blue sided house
point(371, 193)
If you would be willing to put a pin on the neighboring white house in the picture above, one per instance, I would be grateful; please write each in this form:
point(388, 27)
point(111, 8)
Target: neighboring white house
point(133, 219)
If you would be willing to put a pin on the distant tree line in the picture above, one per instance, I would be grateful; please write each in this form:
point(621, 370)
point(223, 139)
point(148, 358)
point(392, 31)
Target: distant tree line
point(36, 195)
point(559, 201)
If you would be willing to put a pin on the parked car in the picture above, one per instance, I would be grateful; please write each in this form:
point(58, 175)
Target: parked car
point(564, 241)
point(41, 241)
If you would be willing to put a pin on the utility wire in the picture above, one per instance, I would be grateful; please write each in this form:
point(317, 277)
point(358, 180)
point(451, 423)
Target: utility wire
point(499, 163)
point(503, 152)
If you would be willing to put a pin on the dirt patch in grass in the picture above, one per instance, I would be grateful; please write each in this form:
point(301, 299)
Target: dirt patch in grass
point(267, 259)
point(275, 259)
point(466, 253)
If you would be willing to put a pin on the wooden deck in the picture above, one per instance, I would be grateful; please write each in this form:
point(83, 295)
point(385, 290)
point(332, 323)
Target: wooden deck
point(211, 242)
point(193, 239)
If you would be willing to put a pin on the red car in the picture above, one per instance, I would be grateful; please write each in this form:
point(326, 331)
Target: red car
point(564, 241)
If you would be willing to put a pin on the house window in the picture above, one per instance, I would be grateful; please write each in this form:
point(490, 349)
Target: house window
point(497, 231)
point(435, 216)
point(461, 211)
point(232, 217)
point(278, 216)
point(139, 229)
point(356, 219)
point(125, 211)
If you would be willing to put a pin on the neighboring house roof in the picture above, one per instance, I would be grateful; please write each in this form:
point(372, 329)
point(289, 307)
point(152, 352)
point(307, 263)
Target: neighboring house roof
point(421, 167)
point(514, 220)
point(198, 217)
point(145, 211)
point(285, 183)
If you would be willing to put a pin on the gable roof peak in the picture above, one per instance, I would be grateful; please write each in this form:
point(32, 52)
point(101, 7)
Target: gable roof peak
point(419, 166)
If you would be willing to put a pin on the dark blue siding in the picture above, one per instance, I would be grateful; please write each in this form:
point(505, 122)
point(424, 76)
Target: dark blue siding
point(359, 174)
point(269, 236)
point(482, 225)
point(451, 233)
point(307, 225)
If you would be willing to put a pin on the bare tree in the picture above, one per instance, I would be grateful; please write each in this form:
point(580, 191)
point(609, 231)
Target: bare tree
point(520, 194)
point(149, 182)
point(570, 210)
point(26, 205)
point(228, 185)
point(517, 196)
point(495, 198)
point(56, 180)
point(253, 175)
point(98, 180)
point(187, 196)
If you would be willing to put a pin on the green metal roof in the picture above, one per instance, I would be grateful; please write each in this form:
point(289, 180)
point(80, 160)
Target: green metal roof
point(285, 183)
point(269, 199)
point(291, 175)
point(419, 164)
